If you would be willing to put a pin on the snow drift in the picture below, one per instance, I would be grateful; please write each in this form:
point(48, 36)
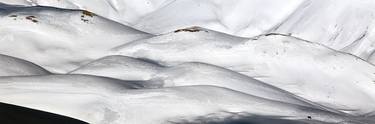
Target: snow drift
point(187, 74)
point(246, 65)
point(10, 66)
point(304, 68)
point(161, 105)
point(120, 67)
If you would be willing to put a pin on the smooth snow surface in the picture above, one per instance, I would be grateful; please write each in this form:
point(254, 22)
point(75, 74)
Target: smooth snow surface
point(190, 61)
point(186, 74)
point(345, 25)
point(161, 105)
point(309, 70)
point(120, 67)
point(60, 40)
point(10, 66)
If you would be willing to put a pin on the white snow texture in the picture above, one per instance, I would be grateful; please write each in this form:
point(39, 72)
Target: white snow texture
point(191, 61)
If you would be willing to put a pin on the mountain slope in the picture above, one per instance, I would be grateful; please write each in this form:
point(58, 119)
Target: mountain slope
point(60, 39)
point(346, 25)
point(120, 67)
point(187, 74)
point(282, 61)
point(343, 25)
point(161, 105)
point(241, 17)
point(10, 66)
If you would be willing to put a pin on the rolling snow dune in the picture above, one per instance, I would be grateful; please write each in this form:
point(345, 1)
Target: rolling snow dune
point(73, 92)
point(190, 74)
point(243, 61)
point(59, 39)
point(68, 82)
point(161, 105)
point(10, 66)
point(306, 69)
point(186, 74)
point(120, 67)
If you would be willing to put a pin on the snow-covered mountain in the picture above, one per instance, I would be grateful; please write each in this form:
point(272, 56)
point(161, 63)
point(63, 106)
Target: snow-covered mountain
point(343, 25)
point(60, 39)
point(279, 60)
point(188, 61)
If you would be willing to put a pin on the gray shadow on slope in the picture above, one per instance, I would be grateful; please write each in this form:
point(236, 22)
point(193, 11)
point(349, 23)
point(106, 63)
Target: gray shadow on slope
point(242, 118)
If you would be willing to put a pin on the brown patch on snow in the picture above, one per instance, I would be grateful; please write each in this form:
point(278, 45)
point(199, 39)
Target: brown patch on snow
point(190, 29)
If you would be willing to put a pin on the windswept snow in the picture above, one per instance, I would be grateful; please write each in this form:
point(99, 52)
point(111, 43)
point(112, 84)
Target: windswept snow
point(345, 25)
point(309, 70)
point(10, 66)
point(58, 39)
point(187, 74)
point(120, 67)
point(201, 61)
point(160, 105)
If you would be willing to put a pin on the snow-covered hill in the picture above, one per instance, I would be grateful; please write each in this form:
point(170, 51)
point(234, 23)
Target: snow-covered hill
point(346, 25)
point(164, 105)
point(187, 74)
point(120, 67)
point(10, 66)
point(244, 61)
point(309, 70)
point(343, 25)
point(58, 39)
point(241, 17)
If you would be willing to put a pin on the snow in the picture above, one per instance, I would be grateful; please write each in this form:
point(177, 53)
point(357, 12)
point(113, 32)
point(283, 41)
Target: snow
point(333, 76)
point(190, 61)
point(160, 104)
point(120, 67)
point(187, 74)
point(60, 40)
point(343, 25)
point(10, 66)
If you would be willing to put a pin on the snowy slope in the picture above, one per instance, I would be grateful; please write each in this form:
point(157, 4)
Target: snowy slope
point(345, 25)
point(187, 74)
point(120, 67)
point(57, 39)
point(10, 66)
point(241, 17)
point(282, 61)
point(254, 61)
point(124, 11)
point(165, 105)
